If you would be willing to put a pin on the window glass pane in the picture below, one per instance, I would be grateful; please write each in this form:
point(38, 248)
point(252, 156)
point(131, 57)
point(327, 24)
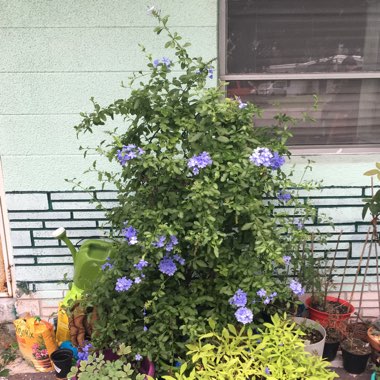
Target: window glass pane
point(300, 36)
point(348, 110)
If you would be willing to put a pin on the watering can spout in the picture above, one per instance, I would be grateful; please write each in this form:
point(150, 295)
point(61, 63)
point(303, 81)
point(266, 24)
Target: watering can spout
point(60, 234)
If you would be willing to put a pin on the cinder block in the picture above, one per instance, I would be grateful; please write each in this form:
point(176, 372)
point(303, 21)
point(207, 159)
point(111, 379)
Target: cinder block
point(43, 273)
point(55, 260)
point(36, 251)
point(20, 238)
point(48, 294)
point(24, 260)
point(45, 242)
point(70, 224)
point(38, 215)
point(70, 196)
point(89, 215)
point(109, 195)
point(7, 310)
point(30, 306)
point(73, 205)
point(25, 225)
point(29, 201)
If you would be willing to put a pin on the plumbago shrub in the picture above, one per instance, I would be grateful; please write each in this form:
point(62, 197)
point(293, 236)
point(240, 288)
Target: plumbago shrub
point(196, 230)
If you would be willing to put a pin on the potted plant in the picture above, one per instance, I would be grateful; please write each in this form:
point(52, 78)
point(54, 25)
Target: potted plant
point(333, 337)
point(193, 223)
point(373, 334)
point(355, 354)
point(276, 352)
point(314, 336)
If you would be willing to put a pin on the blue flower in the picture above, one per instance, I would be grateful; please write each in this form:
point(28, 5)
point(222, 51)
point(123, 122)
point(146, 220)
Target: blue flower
point(167, 266)
point(261, 293)
point(272, 295)
point(199, 162)
point(298, 223)
point(137, 280)
point(277, 161)
point(179, 259)
point(244, 315)
point(173, 241)
point(261, 157)
point(286, 259)
point(296, 288)
point(160, 242)
point(241, 104)
point(210, 71)
point(141, 264)
point(145, 328)
point(239, 299)
point(267, 371)
point(128, 152)
point(138, 357)
point(267, 301)
point(284, 197)
point(107, 265)
point(156, 62)
point(130, 235)
point(84, 352)
point(123, 284)
point(166, 61)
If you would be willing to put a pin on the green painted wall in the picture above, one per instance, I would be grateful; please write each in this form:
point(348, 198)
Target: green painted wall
point(55, 55)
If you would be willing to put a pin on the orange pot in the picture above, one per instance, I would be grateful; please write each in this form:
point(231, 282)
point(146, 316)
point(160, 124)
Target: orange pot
point(374, 340)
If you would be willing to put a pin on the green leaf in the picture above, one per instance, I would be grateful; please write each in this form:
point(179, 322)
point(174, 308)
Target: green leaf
point(223, 139)
point(247, 226)
point(371, 172)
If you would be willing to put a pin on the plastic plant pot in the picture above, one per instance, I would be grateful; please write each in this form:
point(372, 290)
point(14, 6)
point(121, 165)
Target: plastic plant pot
point(373, 376)
point(315, 348)
point(330, 351)
point(62, 361)
point(353, 362)
point(324, 318)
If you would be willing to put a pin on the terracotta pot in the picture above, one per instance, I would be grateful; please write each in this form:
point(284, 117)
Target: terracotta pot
point(324, 318)
point(374, 340)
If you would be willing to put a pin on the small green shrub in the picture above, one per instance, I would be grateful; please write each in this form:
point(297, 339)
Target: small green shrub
point(275, 352)
point(97, 368)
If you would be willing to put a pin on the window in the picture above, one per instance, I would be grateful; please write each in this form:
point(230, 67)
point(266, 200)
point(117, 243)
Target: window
point(280, 53)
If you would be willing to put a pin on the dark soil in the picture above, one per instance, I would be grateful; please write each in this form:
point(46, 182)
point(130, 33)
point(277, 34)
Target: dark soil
point(332, 335)
point(313, 336)
point(331, 307)
point(356, 346)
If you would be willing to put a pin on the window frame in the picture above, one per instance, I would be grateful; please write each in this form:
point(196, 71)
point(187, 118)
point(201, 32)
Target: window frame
point(295, 149)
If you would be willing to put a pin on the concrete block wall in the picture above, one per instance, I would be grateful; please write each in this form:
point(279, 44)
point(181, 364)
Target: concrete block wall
point(41, 261)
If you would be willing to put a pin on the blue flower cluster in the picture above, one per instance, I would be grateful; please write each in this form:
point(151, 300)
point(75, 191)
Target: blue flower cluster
point(199, 162)
point(239, 299)
point(141, 264)
point(168, 244)
point(210, 72)
point(164, 60)
point(241, 103)
point(123, 284)
point(268, 299)
point(128, 152)
point(296, 288)
point(265, 157)
point(242, 314)
point(284, 197)
point(130, 234)
point(167, 264)
point(84, 352)
point(107, 264)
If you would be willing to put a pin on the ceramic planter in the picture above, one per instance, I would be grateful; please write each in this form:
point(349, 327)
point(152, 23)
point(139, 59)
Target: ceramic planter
point(354, 362)
point(316, 348)
point(324, 318)
point(373, 339)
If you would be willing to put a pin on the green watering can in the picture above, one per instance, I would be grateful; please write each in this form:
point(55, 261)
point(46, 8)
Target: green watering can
point(87, 262)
